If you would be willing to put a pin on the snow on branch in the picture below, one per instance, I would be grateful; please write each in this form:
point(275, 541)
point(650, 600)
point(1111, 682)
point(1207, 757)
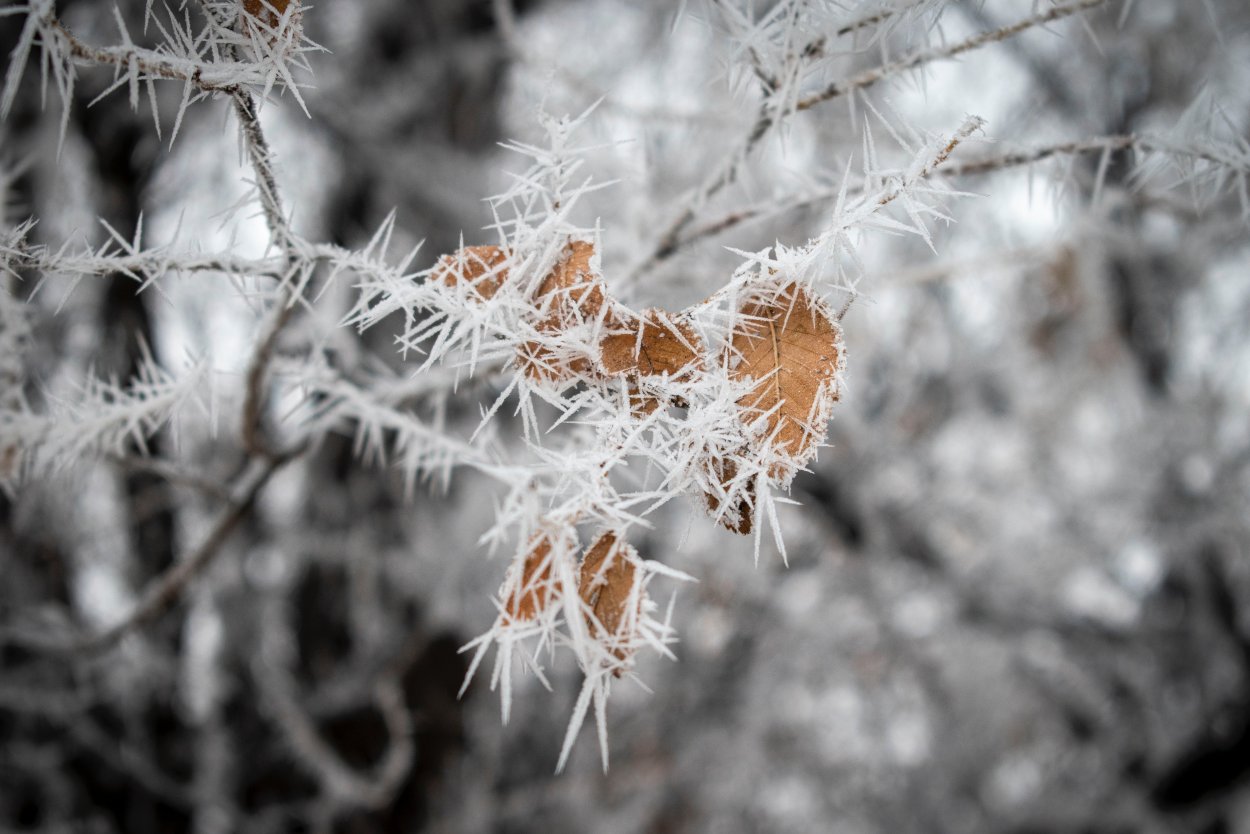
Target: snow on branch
point(785, 96)
point(218, 58)
point(929, 55)
point(1210, 166)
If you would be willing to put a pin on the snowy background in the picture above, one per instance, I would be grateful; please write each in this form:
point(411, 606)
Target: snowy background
point(1018, 577)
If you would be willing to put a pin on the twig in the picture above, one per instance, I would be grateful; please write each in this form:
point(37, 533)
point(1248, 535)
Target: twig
point(173, 473)
point(974, 167)
point(146, 266)
point(341, 782)
point(260, 156)
point(671, 240)
point(165, 589)
point(281, 236)
point(218, 77)
point(926, 56)
point(204, 77)
point(1098, 144)
point(254, 399)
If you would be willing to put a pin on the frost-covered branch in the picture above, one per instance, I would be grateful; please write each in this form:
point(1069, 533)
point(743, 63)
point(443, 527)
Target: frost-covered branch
point(102, 417)
point(927, 56)
point(206, 62)
point(671, 240)
point(1227, 159)
point(573, 418)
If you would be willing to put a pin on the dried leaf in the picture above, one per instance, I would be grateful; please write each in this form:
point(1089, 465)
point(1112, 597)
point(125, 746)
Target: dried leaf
point(655, 343)
point(531, 593)
point(478, 266)
point(606, 582)
point(270, 16)
point(570, 295)
point(256, 7)
point(572, 290)
point(737, 517)
point(541, 364)
point(641, 404)
point(792, 346)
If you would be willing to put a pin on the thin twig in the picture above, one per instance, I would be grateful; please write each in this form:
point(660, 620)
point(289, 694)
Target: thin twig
point(339, 780)
point(207, 78)
point(173, 473)
point(926, 56)
point(670, 241)
point(165, 590)
point(974, 167)
point(146, 266)
point(260, 156)
point(257, 371)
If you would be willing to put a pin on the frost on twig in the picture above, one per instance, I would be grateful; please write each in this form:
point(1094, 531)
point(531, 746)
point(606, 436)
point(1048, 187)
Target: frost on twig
point(103, 417)
point(231, 47)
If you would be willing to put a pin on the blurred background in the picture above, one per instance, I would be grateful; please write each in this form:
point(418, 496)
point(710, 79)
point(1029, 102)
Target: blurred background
point(1018, 591)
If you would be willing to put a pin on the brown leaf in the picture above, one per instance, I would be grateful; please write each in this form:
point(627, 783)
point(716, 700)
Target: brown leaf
point(570, 295)
point(541, 364)
point(478, 266)
point(576, 290)
point(607, 579)
point(641, 404)
point(270, 16)
point(668, 345)
point(255, 7)
point(738, 517)
point(793, 347)
point(531, 594)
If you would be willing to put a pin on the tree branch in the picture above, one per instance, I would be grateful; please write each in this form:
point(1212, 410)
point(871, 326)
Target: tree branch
point(670, 241)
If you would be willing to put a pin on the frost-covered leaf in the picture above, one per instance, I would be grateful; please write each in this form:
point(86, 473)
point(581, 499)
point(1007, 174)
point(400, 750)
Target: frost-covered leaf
point(732, 504)
point(573, 291)
point(268, 12)
point(654, 344)
point(609, 585)
point(569, 297)
point(790, 346)
point(481, 267)
point(531, 589)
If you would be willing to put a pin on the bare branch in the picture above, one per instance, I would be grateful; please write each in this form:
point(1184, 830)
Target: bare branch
point(343, 785)
point(670, 241)
point(928, 56)
point(972, 167)
point(166, 589)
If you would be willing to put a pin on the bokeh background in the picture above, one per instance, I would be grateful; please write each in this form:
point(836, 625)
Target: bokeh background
point(1018, 590)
